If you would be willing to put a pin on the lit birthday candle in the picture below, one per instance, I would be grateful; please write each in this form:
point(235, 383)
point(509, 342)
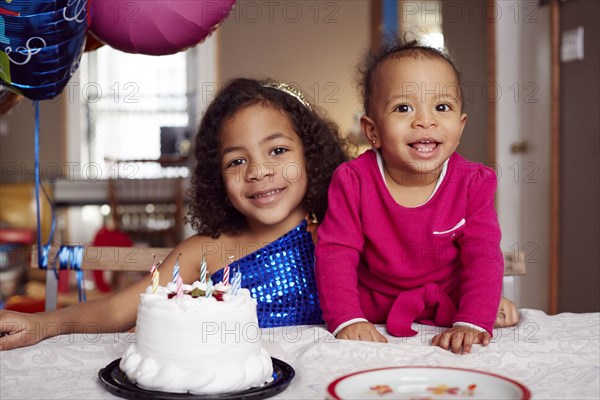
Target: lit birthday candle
point(203, 269)
point(176, 269)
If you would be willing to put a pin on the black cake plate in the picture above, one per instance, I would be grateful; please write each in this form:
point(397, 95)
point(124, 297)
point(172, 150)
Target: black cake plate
point(116, 382)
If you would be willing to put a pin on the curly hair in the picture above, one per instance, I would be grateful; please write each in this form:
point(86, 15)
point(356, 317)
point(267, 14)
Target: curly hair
point(324, 150)
point(395, 49)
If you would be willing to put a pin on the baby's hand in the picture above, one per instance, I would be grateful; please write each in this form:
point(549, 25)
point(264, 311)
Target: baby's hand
point(364, 331)
point(460, 337)
point(507, 314)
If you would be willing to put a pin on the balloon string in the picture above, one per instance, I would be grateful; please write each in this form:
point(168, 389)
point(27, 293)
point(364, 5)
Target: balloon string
point(36, 161)
point(69, 257)
point(53, 215)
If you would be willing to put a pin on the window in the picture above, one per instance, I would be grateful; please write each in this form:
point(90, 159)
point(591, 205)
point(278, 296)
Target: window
point(425, 20)
point(125, 100)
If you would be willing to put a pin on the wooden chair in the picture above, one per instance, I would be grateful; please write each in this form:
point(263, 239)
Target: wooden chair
point(18, 226)
point(155, 204)
point(95, 258)
point(142, 258)
point(150, 211)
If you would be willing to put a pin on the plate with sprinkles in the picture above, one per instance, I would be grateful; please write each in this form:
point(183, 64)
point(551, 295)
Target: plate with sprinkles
point(425, 383)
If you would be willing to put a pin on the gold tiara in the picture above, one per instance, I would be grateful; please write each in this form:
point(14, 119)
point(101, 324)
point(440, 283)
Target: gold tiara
point(292, 91)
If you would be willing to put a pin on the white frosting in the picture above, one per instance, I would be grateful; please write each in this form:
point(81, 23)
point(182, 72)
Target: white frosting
point(197, 345)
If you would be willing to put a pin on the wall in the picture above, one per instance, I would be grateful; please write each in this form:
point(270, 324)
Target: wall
point(466, 37)
point(523, 115)
point(17, 194)
point(531, 169)
point(522, 68)
point(316, 45)
point(580, 164)
point(17, 137)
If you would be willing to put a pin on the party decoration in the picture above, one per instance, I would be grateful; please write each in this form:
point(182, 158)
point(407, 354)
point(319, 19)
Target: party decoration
point(179, 284)
point(156, 27)
point(226, 272)
point(203, 269)
point(41, 43)
point(176, 269)
point(237, 282)
point(155, 275)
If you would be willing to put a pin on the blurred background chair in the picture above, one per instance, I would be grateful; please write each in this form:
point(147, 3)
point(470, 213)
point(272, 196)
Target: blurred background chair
point(138, 260)
point(514, 265)
point(18, 228)
point(149, 211)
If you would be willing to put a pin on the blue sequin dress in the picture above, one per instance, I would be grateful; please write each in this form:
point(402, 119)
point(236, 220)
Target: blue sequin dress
point(280, 276)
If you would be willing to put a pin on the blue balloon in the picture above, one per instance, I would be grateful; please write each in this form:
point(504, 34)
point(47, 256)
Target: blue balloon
point(41, 43)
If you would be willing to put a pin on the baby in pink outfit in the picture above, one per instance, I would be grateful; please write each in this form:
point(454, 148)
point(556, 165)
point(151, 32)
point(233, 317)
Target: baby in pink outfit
point(411, 233)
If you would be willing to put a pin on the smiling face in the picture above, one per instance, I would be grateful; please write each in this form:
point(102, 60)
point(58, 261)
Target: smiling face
point(263, 167)
point(415, 115)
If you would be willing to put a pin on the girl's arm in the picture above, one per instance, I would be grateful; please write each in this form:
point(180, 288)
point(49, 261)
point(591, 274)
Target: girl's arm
point(114, 313)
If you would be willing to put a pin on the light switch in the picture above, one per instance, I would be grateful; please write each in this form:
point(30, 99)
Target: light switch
point(571, 47)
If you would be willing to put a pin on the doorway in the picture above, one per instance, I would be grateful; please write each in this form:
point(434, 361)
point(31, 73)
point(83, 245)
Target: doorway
point(503, 49)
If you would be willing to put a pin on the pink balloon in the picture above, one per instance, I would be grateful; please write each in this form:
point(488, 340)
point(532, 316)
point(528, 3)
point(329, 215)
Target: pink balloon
point(156, 27)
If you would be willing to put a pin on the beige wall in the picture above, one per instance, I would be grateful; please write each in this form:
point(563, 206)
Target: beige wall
point(466, 38)
point(314, 44)
point(16, 142)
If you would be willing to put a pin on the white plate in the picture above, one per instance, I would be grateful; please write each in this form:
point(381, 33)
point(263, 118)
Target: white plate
point(425, 383)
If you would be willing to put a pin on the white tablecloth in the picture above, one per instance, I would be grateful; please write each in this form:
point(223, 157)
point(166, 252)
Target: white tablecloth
point(556, 357)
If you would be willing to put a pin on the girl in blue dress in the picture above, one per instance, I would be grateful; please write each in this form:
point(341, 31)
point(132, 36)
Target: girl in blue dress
point(264, 159)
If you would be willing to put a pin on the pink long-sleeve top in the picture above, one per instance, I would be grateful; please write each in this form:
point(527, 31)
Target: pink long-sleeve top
point(443, 255)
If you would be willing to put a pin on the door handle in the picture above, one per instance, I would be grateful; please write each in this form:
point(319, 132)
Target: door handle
point(519, 147)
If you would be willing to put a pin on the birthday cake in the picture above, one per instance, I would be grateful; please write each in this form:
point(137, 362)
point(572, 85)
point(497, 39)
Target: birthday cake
point(191, 341)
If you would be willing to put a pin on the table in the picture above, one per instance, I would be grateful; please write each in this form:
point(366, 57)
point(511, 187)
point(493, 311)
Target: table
point(556, 357)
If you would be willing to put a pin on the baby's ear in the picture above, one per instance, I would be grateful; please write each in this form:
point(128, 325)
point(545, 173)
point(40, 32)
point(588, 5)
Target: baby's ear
point(368, 127)
point(463, 122)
